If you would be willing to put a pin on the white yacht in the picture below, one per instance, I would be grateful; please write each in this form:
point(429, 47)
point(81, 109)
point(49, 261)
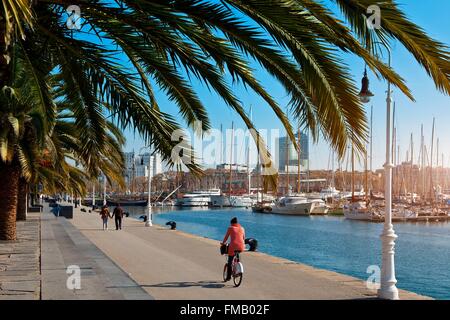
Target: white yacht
point(357, 194)
point(358, 210)
point(319, 207)
point(329, 192)
point(200, 198)
point(221, 201)
point(293, 205)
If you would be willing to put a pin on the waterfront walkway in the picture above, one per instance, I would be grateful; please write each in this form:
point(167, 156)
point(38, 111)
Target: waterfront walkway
point(35, 266)
point(174, 265)
point(141, 262)
point(20, 262)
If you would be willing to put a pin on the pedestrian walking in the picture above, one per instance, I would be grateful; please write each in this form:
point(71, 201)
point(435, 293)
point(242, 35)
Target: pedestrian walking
point(105, 215)
point(118, 216)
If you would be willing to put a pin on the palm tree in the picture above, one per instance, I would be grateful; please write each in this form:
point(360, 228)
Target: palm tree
point(40, 121)
point(125, 49)
point(52, 170)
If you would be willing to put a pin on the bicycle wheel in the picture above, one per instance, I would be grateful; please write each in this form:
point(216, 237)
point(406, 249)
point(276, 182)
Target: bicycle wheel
point(225, 269)
point(237, 279)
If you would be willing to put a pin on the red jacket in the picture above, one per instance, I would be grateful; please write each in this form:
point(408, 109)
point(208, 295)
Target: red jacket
point(237, 238)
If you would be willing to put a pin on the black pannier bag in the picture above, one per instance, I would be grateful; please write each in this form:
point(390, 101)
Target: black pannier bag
point(223, 249)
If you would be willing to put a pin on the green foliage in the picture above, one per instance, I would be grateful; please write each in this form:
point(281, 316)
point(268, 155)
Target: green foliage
point(136, 45)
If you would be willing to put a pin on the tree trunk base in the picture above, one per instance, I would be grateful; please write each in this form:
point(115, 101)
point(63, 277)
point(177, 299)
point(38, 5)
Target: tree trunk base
point(22, 200)
point(9, 184)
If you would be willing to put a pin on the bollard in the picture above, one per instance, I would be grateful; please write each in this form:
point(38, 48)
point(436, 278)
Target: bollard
point(172, 224)
point(253, 243)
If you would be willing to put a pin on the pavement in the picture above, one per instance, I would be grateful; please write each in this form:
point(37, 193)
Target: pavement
point(170, 264)
point(141, 262)
point(44, 263)
point(20, 262)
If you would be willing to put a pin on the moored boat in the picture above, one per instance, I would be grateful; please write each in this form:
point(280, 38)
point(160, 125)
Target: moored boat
point(359, 210)
point(126, 202)
point(199, 198)
point(319, 207)
point(293, 205)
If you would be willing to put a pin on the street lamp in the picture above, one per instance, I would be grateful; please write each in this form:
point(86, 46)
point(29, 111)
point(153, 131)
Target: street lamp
point(387, 290)
point(104, 189)
point(148, 223)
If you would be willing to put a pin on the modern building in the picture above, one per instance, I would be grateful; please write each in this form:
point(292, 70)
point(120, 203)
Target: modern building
point(155, 161)
point(286, 150)
point(234, 167)
point(141, 170)
point(130, 161)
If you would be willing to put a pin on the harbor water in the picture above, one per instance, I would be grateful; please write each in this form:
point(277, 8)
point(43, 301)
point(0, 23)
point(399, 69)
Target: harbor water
point(422, 249)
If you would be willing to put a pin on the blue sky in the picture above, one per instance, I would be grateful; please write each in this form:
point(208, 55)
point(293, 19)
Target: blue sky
point(431, 16)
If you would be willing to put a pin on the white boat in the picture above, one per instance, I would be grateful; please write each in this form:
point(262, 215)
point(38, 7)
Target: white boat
point(358, 211)
point(221, 201)
point(357, 194)
point(330, 192)
point(319, 207)
point(401, 211)
point(293, 205)
point(200, 198)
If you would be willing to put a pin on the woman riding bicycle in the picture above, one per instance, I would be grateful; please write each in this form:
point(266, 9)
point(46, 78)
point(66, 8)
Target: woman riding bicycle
point(237, 242)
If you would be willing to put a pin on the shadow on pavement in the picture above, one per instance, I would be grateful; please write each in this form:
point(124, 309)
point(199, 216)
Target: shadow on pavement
point(185, 284)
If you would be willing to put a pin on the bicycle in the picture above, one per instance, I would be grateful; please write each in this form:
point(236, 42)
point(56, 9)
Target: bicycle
point(237, 268)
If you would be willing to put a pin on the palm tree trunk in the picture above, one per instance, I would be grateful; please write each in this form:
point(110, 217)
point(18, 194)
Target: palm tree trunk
point(9, 187)
point(22, 200)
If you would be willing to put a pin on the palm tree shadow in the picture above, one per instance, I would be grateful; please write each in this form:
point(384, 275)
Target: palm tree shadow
point(185, 284)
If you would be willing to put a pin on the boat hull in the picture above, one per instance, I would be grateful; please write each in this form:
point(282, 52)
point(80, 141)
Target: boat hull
point(232, 202)
point(356, 215)
point(301, 209)
point(127, 203)
point(194, 202)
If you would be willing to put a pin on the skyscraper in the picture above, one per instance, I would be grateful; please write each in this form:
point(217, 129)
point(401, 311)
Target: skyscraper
point(282, 148)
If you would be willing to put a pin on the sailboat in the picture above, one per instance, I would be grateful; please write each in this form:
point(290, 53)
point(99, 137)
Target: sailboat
point(297, 204)
point(230, 200)
point(264, 203)
point(358, 209)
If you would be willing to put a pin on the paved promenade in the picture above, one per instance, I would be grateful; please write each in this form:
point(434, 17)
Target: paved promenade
point(175, 265)
point(20, 264)
point(34, 267)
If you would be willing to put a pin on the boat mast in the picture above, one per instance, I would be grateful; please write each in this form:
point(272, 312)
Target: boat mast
point(231, 158)
point(259, 176)
point(307, 165)
point(298, 161)
point(442, 172)
point(393, 153)
point(371, 136)
point(411, 185)
point(249, 178)
point(332, 184)
point(287, 159)
point(431, 162)
point(422, 148)
point(353, 172)
point(221, 156)
point(366, 178)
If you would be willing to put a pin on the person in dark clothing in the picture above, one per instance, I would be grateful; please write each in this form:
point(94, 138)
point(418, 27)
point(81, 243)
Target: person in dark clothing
point(118, 216)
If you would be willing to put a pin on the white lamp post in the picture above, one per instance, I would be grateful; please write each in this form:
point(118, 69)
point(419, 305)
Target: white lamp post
point(148, 223)
point(104, 189)
point(388, 289)
point(93, 194)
